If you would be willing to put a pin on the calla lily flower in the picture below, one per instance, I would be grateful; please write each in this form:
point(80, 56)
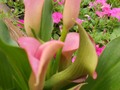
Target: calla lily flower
point(33, 10)
point(71, 11)
point(85, 63)
point(70, 46)
point(39, 56)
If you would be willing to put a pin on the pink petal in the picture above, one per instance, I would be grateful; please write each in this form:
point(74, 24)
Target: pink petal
point(71, 44)
point(45, 53)
point(39, 57)
point(30, 45)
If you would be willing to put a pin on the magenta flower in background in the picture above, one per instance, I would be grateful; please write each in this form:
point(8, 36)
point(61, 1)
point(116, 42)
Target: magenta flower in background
point(99, 49)
point(20, 24)
point(79, 20)
point(61, 2)
point(100, 13)
point(22, 21)
point(60, 27)
point(100, 2)
point(106, 9)
point(57, 16)
point(73, 59)
point(91, 4)
point(115, 12)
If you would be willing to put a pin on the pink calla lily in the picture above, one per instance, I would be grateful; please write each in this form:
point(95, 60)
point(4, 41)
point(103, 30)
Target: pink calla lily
point(71, 44)
point(33, 12)
point(39, 56)
point(70, 13)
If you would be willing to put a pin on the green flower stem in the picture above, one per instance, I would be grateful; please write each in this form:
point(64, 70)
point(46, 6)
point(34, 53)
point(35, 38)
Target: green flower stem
point(58, 55)
point(64, 33)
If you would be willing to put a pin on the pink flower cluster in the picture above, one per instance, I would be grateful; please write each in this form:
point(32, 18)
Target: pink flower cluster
point(57, 16)
point(99, 49)
point(61, 2)
point(115, 12)
point(105, 9)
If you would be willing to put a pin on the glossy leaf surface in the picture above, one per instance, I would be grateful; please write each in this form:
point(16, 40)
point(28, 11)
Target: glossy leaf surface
point(46, 21)
point(14, 65)
point(107, 69)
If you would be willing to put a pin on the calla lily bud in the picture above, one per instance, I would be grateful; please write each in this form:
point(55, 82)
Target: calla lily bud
point(33, 13)
point(71, 12)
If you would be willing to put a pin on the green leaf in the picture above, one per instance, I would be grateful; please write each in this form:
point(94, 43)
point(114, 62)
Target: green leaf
point(4, 34)
point(3, 1)
point(46, 21)
point(115, 33)
point(107, 69)
point(14, 66)
point(6, 78)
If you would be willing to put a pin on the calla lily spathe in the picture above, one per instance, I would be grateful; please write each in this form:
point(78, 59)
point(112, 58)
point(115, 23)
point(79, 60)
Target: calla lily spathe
point(33, 13)
point(39, 57)
point(71, 44)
